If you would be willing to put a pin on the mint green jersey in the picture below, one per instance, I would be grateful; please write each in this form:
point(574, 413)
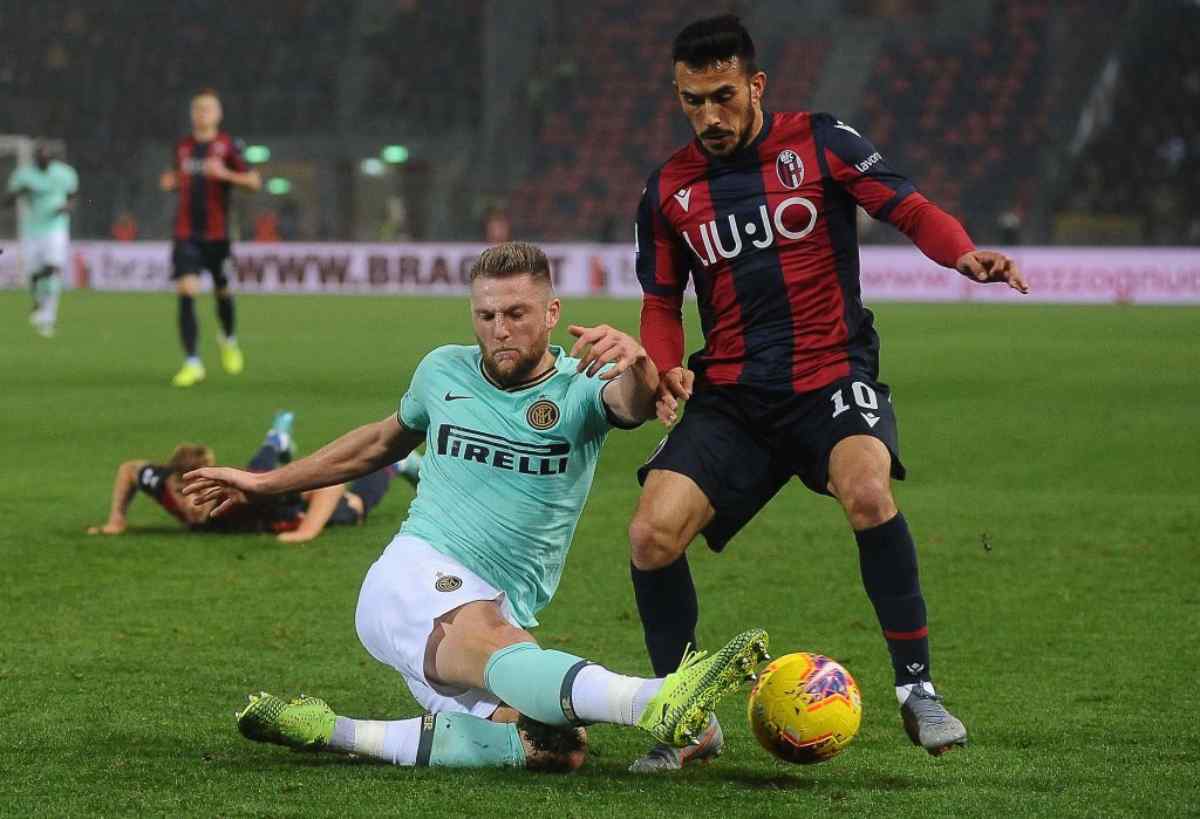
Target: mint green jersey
point(506, 471)
point(47, 192)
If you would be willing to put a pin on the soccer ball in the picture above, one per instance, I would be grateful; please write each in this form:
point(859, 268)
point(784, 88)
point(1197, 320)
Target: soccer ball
point(805, 708)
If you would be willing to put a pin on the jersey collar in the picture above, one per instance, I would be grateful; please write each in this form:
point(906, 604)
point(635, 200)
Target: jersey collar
point(541, 378)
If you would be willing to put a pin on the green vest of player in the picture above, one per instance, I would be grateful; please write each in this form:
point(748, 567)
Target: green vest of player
point(506, 471)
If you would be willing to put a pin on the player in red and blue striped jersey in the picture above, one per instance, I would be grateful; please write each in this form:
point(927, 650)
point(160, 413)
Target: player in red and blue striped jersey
point(208, 165)
point(759, 212)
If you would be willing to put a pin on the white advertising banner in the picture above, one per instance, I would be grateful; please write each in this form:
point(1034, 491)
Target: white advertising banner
point(888, 273)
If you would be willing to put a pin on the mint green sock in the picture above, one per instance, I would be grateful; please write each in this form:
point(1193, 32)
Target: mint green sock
point(535, 681)
point(464, 741)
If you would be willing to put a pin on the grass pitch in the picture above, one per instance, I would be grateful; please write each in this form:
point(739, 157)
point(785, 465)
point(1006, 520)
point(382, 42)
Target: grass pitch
point(1064, 437)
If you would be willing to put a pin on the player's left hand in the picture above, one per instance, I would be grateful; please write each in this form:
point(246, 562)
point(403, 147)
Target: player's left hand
point(214, 168)
point(985, 266)
point(603, 345)
point(295, 536)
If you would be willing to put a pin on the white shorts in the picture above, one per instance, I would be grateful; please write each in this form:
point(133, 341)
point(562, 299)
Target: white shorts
point(407, 588)
point(45, 251)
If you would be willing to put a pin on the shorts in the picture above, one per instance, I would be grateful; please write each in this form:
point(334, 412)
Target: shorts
point(191, 257)
point(370, 489)
point(741, 445)
point(48, 250)
point(405, 590)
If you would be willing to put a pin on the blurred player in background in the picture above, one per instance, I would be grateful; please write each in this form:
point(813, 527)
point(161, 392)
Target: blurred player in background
point(208, 165)
point(295, 519)
point(759, 210)
point(48, 188)
point(513, 430)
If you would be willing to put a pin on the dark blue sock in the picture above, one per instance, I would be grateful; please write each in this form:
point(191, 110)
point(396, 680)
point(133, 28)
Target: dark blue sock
point(887, 557)
point(188, 329)
point(666, 601)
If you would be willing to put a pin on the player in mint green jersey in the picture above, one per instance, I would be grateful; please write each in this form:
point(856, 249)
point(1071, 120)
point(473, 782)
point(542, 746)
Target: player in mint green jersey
point(48, 188)
point(513, 429)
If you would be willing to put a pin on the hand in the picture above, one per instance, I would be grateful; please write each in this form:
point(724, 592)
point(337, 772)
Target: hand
point(294, 536)
point(113, 527)
point(985, 266)
point(674, 385)
point(227, 488)
point(167, 181)
point(605, 345)
point(214, 168)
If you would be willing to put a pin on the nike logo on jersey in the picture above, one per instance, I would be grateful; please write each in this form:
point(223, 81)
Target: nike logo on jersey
point(683, 196)
point(450, 397)
point(871, 418)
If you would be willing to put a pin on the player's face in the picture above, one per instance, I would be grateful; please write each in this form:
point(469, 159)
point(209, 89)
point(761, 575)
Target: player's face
point(206, 113)
point(513, 318)
point(722, 102)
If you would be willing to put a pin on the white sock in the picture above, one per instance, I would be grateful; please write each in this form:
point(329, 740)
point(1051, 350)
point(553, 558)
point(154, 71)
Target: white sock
point(902, 691)
point(598, 695)
point(393, 741)
point(193, 359)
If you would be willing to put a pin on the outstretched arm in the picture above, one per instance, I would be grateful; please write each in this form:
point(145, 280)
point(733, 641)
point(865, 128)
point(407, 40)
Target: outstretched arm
point(124, 488)
point(357, 453)
point(631, 397)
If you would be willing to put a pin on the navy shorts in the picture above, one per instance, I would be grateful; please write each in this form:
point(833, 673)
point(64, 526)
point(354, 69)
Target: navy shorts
point(741, 445)
point(191, 257)
point(370, 489)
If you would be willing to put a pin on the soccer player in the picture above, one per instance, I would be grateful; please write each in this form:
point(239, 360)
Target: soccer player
point(208, 165)
point(759, 210)
point(295, 519)
point(49, 188)
point(513, 429)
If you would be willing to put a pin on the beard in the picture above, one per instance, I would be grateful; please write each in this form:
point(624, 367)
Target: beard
point(515, 370)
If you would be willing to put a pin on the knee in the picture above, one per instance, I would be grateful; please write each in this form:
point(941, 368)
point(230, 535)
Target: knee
point(868, 502)
point(653, 543)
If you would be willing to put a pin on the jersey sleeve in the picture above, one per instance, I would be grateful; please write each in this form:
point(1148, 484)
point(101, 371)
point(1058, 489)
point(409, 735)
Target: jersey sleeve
point(414, 409)
point(152, 479)
point(236, 160)
point(662, 267)
point(71, 180)
point(595, 418)
point(860, 169)
point(15, 180)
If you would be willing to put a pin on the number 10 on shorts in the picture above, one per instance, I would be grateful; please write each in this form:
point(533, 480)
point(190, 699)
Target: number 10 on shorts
point(864, 397)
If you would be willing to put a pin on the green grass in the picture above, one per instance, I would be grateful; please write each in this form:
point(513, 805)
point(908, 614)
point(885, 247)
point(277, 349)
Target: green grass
point(1067, 435)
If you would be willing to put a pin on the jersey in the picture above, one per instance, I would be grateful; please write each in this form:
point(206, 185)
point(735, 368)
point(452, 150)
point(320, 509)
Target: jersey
point(770, 240)
point(203, 208)
point(48, 192)
point(506, 471)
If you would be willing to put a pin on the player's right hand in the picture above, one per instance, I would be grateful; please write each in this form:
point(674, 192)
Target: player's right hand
point(110, 528)
point(227, 488)
point(674, 386)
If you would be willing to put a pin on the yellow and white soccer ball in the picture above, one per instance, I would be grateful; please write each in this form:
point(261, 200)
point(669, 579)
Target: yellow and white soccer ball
point(805, 708)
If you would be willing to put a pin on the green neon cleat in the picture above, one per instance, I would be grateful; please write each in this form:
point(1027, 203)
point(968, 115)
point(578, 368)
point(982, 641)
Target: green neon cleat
point(305, 723)
point(678, 713)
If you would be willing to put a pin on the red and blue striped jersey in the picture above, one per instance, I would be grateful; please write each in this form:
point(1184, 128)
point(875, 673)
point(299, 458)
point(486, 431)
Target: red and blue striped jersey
point(203, 211)
point(770, 241)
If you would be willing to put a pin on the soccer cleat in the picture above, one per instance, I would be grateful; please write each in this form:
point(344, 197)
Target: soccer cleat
point(929, 724)
point(678, 714)
point(305, 723)
point(189, 375)
point(279, 435)
point(409, 467)
point(231, 356)
point(662, 757)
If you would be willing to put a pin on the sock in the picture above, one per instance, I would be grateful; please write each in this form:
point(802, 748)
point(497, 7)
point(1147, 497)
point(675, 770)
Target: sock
point(599, 695)
point(53, 289)
point(435, 740)
point(666, 601)
point(902, 691)
point(225, 314)
point(888, 560)
point(187, 326)
point(37, 288)
point(535, 681)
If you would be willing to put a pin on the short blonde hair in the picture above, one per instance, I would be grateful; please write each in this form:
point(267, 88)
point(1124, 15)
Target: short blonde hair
point(512, 259)
point(187, 457)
